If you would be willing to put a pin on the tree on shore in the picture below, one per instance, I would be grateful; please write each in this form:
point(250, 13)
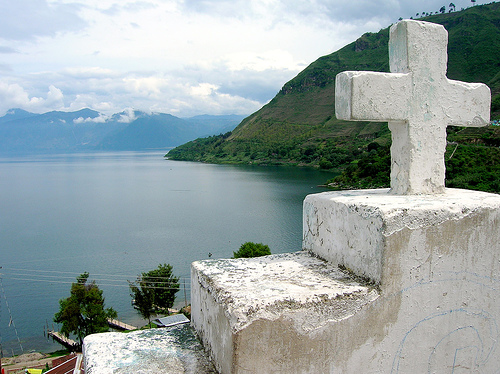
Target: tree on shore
point(83, 312)
point(250, 249)
point(153, 292)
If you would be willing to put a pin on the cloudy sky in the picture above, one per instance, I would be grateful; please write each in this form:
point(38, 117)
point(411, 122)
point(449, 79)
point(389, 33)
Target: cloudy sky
point(183, 57)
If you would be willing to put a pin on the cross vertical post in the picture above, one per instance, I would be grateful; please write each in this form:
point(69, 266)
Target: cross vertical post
point(418, 101)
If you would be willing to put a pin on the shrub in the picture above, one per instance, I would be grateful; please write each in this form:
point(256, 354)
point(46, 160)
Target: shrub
point(250, 249)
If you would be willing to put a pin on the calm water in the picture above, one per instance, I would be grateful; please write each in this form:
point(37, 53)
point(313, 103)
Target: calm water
point(116, 215)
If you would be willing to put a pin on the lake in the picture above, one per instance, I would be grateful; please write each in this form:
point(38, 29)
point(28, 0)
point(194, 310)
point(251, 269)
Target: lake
point(118, 214)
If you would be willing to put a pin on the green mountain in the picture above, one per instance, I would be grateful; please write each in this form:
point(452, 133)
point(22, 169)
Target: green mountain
point(299, 126)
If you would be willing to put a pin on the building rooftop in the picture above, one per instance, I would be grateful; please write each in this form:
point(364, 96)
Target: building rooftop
point(169, 321)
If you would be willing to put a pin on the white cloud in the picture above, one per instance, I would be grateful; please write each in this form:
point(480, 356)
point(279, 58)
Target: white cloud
point(99, 119)
point(149, 86)
point(14, 96)
point(28, 19)
point(6, 68)
point(55, 97)
point(183, 57)
point(266, 60)
point(91, 72)
point(4, 49)
point(127, 116)
point(204, 89)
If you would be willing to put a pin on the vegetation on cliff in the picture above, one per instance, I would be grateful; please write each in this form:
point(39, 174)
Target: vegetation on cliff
point(472, 161)
point(299, 127)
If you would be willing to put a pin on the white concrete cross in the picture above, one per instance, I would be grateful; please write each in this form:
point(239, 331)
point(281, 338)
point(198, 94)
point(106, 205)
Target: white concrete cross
point(417, 100)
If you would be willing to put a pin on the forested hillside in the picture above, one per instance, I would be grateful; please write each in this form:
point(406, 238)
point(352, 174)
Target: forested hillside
point(299, 127)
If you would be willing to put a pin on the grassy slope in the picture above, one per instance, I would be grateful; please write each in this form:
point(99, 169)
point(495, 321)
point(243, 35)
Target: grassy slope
point(299, 126)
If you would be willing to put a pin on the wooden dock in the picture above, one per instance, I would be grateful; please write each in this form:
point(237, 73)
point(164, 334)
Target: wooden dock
point(61, 339)
point(71, 344)
point(119, 325)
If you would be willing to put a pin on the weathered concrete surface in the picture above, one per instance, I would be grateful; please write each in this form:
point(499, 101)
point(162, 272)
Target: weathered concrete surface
point(174, 350)
point(437, 262)
point(436, 307)
point(258, 315)
point(419, 289)
point(352, 228)
point(417, 100)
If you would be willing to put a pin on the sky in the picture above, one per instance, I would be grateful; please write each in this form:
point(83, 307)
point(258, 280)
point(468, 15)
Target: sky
point(182, 57)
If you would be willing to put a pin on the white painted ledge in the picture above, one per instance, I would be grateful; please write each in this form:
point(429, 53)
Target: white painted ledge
point(163, 350)
point(351, 228)
point(436, 308)
point(236, 303)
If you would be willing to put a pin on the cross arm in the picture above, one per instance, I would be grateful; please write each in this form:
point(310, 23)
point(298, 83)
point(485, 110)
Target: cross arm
point(371, 96)
point(468, 104)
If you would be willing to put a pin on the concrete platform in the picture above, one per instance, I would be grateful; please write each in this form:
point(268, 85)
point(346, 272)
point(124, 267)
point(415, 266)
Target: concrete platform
point(409, 284)
point(359, 229)
point(172, 350)
point(238, 305)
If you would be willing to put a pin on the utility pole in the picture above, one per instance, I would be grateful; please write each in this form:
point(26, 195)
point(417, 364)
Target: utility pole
point(1, 350)
point(185, 298)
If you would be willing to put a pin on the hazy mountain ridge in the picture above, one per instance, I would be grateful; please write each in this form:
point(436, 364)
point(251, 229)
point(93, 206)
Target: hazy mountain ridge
point(86, 130)
point(16, 114)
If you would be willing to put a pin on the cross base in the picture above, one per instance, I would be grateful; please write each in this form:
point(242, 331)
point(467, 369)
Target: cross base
point(410, 284)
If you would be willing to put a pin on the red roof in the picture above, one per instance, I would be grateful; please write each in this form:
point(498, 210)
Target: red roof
point(67, 364)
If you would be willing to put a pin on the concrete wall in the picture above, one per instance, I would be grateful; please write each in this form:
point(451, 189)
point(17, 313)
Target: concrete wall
point(260, 315)
point(437, 260)
point(209, 320)
point(419, 293)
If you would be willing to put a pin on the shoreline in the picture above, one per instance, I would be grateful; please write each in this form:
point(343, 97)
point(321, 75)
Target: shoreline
point(27, 360)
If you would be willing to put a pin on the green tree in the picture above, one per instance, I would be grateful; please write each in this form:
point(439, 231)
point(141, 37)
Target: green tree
point(495, 103)
point(153, 292)
point(250, 249)
point(83, 312)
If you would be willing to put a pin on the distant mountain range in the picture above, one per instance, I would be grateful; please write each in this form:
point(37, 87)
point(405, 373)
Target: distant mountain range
point(86, 129)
